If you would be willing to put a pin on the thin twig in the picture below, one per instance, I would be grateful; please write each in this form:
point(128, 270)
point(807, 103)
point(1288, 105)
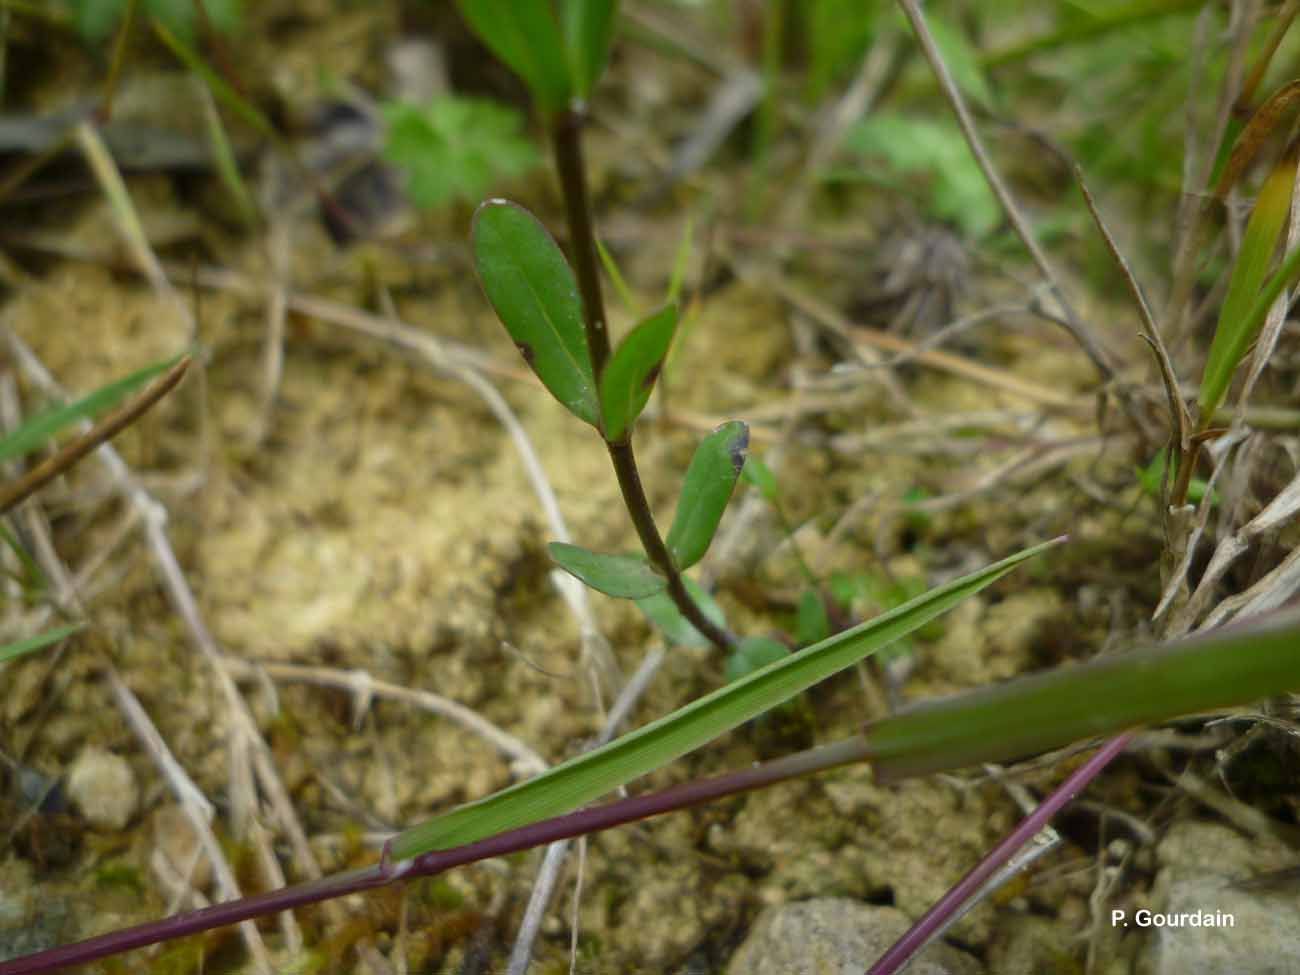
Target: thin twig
point(548, 875)
point(1179, 421)
point(103, 430)
point(194, 804)
point(198, 814)
point(1195, 203)
point(364, 687)
point(1090, 344)
point(859, 335)
point(244, 728)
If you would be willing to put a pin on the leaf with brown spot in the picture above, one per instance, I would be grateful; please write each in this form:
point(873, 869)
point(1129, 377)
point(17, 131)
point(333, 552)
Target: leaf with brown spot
point(710, 479)
point(535, 295)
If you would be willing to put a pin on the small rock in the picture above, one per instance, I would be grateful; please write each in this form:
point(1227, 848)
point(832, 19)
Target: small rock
point(1205, 924)
point(836, 936)
point(103, 788)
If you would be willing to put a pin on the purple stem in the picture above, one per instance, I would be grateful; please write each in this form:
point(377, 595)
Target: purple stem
point(386, 871)
point(893, 960)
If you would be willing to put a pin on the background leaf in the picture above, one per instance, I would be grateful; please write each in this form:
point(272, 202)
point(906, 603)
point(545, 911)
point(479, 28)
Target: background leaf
point(455, 148)
point(676, 628)
point(717, 463)
point(630, 374)
point(535, 295)
point(526, 36)
point(921, 146)
point(623, 576)
point(813, 625)
point(588, 32)
point(760, 475)
point(754, 653)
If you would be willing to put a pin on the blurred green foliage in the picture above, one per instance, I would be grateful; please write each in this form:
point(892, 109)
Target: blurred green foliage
point(96, 19)
point(455, 148)
point(914, 146)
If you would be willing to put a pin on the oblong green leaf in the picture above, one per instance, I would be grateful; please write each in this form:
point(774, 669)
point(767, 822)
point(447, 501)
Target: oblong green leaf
point(1227, 667)
point(39, 641)
point(526, 36)
point(624, 576)
point(535, 295)
point(591, 775)
point(676, 628)
point(630, 374)
point(47, 423)
point(710, 478)
point(588, 30)
point(1237, 328)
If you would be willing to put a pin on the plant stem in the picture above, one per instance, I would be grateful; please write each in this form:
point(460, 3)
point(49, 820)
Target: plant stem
point(580, 823)
point(567, 136)
point(935, 918)
point(638, 506)
point(566, 133)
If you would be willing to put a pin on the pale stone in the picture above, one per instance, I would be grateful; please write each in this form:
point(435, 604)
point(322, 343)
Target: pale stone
point(103, 787)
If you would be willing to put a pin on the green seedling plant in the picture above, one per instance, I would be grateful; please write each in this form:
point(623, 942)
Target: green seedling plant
point(553, 312)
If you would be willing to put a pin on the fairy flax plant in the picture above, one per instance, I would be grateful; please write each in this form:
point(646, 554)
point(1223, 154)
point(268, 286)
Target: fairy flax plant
point(556, 318)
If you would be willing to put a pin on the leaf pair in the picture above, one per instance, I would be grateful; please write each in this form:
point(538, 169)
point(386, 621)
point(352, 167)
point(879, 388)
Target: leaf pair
point(535, 294)
point(710, 480)
point(558, 58)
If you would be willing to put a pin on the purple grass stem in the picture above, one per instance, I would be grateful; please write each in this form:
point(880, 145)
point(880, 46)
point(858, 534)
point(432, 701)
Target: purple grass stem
point(901, 952)
point(385, 872)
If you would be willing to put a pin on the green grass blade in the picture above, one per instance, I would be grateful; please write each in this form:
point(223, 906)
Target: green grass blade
point(1237, 328)
point(33, 579)
point(681, 261)
point(45, 425)
point(220, 88)
point(710, 479)
point(227, 163)
point(1236, 665)
point(535, 295)
point(616, 278)
point(622, 576)
point(587, 777)
point(588, 32)
point(526, 36)
point(760, 475)
point(630, 374)
point(38, 642)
